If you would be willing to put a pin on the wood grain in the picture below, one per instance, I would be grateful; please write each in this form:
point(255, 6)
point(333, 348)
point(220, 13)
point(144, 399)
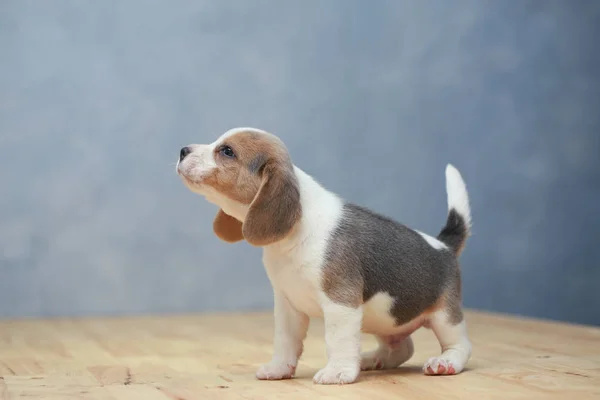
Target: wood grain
point(215, 357)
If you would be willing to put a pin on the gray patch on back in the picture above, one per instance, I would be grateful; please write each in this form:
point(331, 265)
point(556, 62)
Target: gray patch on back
point(369, 253)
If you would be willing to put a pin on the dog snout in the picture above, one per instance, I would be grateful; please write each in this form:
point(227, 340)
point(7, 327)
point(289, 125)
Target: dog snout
point(184, 152)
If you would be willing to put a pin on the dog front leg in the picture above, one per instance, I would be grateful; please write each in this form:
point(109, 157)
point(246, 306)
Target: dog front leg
point(290, 331)
point(342, 338)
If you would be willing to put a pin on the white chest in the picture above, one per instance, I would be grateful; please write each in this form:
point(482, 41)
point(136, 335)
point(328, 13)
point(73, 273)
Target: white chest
point(295, 265)
point(298, 278)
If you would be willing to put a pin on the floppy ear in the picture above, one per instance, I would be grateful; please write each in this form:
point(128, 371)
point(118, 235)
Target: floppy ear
point(227, 228)
point(275, 208)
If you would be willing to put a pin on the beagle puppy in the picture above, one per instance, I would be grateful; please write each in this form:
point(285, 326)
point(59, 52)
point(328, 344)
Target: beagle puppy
point(332, 259)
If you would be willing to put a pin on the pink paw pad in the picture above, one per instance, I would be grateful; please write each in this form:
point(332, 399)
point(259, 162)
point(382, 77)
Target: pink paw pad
point(438, 366)
point(372, 365)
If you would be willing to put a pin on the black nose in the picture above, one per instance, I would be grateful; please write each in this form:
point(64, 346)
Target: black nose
point(184, 152)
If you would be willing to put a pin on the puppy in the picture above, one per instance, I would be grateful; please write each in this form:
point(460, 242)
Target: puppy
point(329, 258)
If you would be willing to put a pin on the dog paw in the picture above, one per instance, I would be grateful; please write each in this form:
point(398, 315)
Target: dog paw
point(371, 361)
point(336, 374)
point(440, 366)
point(275, 371)
point(386, 357)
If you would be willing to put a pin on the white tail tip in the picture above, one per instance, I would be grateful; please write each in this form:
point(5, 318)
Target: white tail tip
point(458, 197)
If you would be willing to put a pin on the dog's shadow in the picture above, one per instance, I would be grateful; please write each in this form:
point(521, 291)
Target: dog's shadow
point(384, 373)
point(406, 370)
point(377, 375)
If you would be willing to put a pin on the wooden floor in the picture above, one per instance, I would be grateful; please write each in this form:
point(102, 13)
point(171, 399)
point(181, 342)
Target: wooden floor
point(215, 357)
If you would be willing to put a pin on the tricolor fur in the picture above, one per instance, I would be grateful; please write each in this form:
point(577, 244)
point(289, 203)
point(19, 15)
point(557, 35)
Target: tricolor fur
point(332, 259)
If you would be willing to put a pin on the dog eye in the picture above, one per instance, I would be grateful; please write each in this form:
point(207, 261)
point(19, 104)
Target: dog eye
point(227, 151)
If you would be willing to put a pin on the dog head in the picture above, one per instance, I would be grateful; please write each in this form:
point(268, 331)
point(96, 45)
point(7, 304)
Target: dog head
point(249, 174)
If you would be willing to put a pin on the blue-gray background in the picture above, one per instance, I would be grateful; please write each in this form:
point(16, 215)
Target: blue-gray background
point(372, 97)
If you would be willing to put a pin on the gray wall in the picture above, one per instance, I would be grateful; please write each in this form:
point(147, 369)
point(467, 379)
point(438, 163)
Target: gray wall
point(372, 97)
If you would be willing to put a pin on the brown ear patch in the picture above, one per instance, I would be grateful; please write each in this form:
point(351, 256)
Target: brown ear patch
point(227, 228)
point(276, 207)
point(260, 175)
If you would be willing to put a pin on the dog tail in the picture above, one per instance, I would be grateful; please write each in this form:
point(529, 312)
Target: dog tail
point(458, 224)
